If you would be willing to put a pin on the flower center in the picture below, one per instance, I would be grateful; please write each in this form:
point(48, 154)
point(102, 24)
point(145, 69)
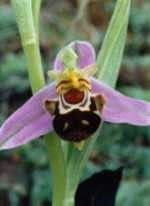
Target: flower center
point(74, 96)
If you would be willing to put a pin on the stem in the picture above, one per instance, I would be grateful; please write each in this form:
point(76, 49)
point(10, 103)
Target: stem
point(62, 193)
point(78, 160)
point(36, 5)
point(30, 42)
point(82, 7)
point(35, 71)
point(56, 160)
point(80, 16)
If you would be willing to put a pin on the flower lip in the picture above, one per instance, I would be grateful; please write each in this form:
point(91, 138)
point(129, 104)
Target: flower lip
point(80, 125)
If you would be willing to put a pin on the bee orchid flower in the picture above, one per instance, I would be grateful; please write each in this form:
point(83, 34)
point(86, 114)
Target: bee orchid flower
point(74, 104)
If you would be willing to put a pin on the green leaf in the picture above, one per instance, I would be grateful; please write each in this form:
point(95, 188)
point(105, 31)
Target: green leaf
point(110, 56)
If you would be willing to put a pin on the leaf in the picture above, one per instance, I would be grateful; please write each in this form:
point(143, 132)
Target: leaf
point(100, 189)
point(110, 56)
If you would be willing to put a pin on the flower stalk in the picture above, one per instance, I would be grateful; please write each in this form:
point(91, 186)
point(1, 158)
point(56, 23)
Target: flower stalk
point(56, 160)
point(30, 43)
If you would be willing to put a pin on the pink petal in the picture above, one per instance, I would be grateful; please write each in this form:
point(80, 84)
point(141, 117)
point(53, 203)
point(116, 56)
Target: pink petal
point(120, 108)
point(85, 52)
point(28, 122)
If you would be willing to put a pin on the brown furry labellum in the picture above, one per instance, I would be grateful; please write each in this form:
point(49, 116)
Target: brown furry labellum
point(76, 110)
point(76, 114)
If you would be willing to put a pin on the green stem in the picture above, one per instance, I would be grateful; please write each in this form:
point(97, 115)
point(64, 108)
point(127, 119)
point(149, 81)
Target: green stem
point(56, 160)
point(63, 194)
point(82, 7)
point(36, 5)
point(33, 59)
point(30, 42)
point(78, 160)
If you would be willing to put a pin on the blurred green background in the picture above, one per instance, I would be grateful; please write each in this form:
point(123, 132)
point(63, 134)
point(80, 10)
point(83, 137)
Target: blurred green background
point(24, 174)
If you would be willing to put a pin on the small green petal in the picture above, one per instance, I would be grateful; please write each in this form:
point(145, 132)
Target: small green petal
point(69, 57)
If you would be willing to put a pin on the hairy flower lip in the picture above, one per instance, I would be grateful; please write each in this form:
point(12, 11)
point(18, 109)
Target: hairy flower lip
point(32, 120)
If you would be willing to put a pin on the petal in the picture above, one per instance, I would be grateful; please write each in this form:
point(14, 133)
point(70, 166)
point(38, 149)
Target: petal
point(85, 52)
point(29, 122)
point(120, 108)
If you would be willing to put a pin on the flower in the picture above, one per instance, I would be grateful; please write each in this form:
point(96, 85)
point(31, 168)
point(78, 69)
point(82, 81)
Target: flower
point(36, 117)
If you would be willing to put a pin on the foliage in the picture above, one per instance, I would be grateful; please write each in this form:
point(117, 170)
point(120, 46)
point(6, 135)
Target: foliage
point(13, 73)
point(134, 193)
point(8, 25)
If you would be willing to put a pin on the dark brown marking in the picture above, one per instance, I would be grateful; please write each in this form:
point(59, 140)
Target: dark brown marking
point(97, 102)
point(83, 80)
point(51, 106)
point(75, 130)
point(63, 82)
